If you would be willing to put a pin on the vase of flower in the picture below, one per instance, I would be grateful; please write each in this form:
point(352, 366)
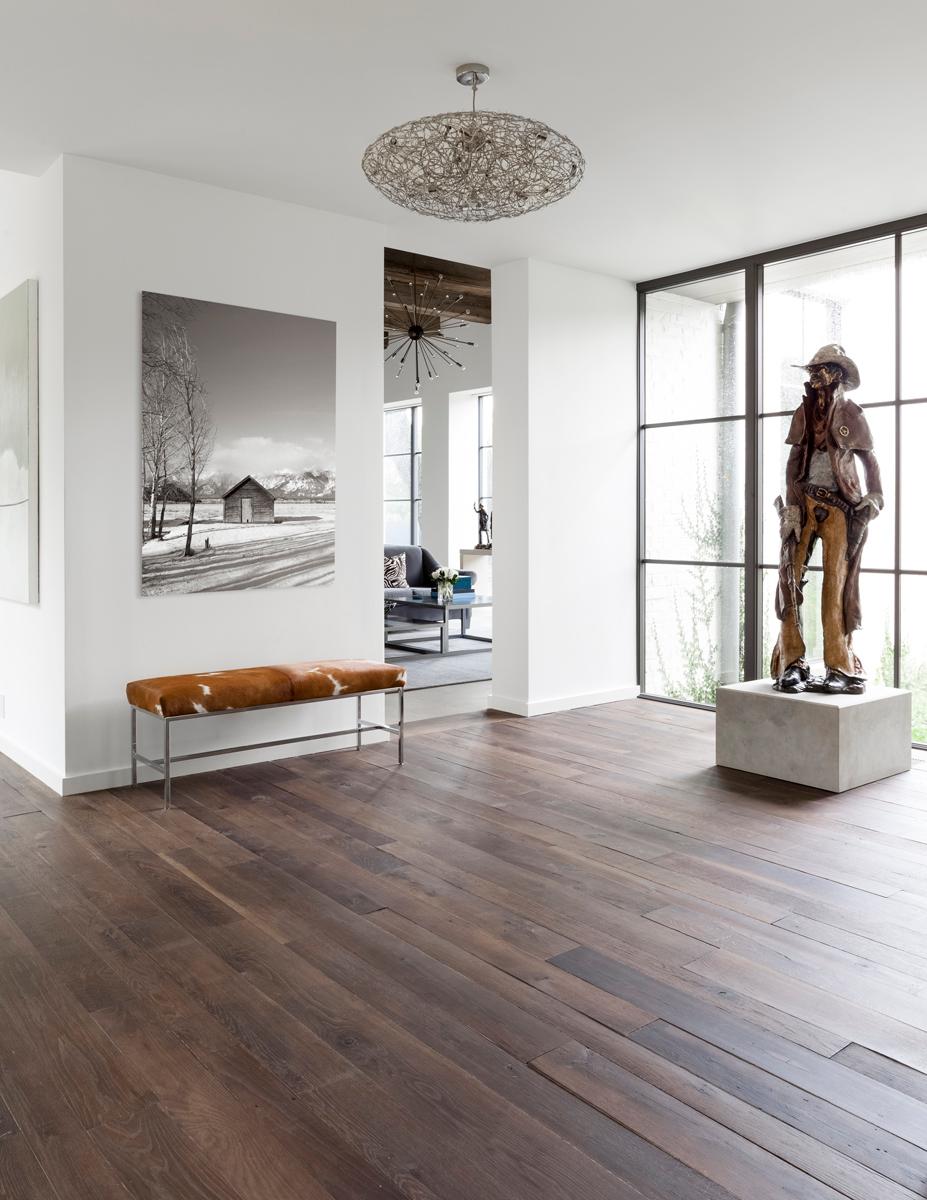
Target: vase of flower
point(444, 579)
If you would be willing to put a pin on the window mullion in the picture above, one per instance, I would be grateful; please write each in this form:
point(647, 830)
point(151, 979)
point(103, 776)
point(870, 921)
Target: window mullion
point(753, 617)
point(896, 671)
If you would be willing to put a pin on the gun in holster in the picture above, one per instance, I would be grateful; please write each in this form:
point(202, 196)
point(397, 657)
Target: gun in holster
point(857, 524)
point(786, 559)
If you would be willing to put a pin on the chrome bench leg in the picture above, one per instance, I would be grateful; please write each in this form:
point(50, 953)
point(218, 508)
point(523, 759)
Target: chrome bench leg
point(134, 745)
point(358, 722)
point(167, 764)
point(402, 710)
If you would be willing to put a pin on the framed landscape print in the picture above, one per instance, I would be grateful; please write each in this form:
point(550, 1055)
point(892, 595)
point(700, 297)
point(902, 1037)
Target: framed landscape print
point(19, 445)
point(238, 448)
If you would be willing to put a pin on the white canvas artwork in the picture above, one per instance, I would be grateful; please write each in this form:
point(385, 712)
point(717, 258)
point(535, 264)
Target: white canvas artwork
point(19, 445)
point(238, 448)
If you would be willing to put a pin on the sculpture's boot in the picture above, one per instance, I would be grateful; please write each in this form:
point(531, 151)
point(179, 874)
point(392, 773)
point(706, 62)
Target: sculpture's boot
point(793, 678)
point(839, 684)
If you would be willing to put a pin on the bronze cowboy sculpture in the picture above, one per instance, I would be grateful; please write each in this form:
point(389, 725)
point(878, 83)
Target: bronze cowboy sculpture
point(824, 501)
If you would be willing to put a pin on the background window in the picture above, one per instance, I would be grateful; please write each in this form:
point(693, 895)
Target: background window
point(484, 450)
point(402, 475)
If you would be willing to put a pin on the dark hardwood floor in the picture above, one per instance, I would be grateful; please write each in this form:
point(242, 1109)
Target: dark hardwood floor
point(558, 958)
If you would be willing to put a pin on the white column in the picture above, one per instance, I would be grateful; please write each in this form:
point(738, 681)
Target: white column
point(449, 447)
point(435, 449)
point(565, 488)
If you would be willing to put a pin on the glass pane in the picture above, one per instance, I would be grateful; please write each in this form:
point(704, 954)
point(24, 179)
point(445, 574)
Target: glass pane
point(873, 644)
point(913, 314)
point(485, 420)
point(914, 648)
point(417, 517)
point(695, 492)
point(695, 622)
point(397, 478)
point(397, 430)
point(486, 471)
point(913, 523)
point(396, 522)
point(695, 350)
point(845, 296)
point(417, 418)
point(417, 476)
point(775, 454)
point(879, 550)
point(880, 544)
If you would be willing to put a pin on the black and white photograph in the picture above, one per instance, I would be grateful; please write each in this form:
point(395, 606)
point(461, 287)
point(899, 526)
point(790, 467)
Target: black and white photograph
point(19, 514)
point(238, 447)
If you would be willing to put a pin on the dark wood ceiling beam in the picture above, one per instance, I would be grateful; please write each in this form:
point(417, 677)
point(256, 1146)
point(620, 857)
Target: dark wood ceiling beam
point(473, 283)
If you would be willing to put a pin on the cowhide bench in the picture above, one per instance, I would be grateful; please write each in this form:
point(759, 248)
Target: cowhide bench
point(187, 697)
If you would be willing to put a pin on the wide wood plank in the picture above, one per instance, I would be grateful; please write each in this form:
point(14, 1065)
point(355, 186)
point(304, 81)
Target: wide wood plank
point(827, 1124)
point(744, 1169)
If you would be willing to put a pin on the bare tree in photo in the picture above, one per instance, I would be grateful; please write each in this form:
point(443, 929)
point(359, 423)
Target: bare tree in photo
point(195, 433)
point(160, 420)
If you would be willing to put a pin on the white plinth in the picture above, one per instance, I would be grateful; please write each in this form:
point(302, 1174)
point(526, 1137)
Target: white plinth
point(830, 742)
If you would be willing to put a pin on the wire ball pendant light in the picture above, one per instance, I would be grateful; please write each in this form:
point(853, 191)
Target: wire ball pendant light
point(473, 166)
point(422, 331)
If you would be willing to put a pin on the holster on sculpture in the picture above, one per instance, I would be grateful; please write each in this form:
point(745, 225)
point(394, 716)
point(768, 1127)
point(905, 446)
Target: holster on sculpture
point(788, 591)
point(857, 528)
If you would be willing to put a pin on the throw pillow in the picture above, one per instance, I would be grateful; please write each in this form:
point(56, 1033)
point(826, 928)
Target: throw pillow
point(394, 570)
point(394, 575)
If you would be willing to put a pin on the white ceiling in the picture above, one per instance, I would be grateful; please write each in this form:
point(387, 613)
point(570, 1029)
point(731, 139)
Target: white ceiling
point(710, 129)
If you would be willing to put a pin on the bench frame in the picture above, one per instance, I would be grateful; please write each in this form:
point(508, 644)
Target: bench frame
point(163, 765)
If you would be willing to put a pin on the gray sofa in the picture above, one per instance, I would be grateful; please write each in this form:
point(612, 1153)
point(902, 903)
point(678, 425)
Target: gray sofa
point(419, 565)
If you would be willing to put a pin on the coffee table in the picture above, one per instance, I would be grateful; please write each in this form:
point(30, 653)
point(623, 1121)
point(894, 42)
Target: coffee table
point(439, 614)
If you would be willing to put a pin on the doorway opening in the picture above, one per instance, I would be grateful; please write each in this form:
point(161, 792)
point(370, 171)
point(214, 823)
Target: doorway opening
point(437, 468)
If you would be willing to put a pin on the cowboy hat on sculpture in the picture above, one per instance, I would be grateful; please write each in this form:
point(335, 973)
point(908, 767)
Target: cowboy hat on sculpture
point(835, 354)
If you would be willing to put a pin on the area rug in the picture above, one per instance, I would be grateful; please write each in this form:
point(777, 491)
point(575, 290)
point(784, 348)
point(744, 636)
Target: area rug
point(437, 670)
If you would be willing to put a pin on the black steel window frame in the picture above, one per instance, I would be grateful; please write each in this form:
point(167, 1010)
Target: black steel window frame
point(414, 455)
point(752, 267)
point(481, 445)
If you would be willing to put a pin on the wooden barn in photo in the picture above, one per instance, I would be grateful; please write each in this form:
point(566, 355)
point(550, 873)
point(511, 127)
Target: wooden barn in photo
point(248, 503)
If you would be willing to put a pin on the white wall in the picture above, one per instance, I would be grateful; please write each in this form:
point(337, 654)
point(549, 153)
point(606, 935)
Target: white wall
point(462, 473)
point(565, 488)
point(32, 636)
point(511, 521)
point(127, 231)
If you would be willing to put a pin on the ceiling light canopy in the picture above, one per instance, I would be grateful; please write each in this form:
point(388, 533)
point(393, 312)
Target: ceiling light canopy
point(473, 166)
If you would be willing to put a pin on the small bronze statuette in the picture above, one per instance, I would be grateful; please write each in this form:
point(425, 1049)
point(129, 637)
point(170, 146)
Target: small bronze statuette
point(825, 502)
point(485, 519)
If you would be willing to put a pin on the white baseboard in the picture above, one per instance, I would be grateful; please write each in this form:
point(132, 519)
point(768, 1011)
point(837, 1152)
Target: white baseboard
point(98, 781)
point(45, 773)
point(535, 708)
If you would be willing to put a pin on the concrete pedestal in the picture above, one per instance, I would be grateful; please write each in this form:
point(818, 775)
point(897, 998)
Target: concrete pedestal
point(830, 742)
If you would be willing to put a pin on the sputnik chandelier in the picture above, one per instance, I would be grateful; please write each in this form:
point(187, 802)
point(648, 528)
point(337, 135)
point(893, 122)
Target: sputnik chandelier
point(473, 166)
point(421, 330)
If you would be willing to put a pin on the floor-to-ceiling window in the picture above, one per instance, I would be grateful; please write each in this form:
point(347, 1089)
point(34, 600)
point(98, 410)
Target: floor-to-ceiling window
point(718, 386)
point(484, 449)
point(402, 474)
point(693, 442)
